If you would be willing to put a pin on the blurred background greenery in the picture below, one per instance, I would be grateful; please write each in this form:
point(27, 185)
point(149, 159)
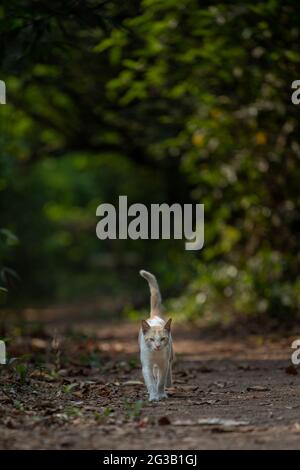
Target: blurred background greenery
point(165, 102)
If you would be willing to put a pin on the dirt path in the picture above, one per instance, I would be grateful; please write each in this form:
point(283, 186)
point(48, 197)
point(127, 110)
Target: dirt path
point(83, 390)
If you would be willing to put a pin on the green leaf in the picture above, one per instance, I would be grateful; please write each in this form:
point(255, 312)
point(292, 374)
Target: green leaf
point(3, 295)
point(10, 237)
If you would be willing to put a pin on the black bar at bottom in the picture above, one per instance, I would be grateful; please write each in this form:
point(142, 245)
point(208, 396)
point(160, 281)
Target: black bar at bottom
point(44, 459)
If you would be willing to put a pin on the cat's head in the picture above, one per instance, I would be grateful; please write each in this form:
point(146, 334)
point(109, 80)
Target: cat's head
point(156, 337)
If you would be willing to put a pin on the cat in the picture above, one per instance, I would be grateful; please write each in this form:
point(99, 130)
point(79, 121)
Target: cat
point(156, 348)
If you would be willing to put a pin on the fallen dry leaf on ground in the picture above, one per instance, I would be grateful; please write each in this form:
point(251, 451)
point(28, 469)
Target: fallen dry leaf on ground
point(222, 422)
point(164, 420)
point(133, 382)
point(291, 370)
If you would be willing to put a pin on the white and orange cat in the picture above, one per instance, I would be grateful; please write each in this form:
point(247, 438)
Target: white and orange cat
point(156, 349)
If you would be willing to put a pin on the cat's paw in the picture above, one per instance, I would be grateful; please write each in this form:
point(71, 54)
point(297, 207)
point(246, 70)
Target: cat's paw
point(153, 398)
point(163, 395)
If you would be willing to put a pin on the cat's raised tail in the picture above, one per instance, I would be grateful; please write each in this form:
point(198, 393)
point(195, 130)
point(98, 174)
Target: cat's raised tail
point(155, 299)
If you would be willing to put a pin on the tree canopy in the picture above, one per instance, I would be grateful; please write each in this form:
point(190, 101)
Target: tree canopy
point(165, 102)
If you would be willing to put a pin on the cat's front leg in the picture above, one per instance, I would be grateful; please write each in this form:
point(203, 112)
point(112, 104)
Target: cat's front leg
point(150, 382)
point(169, 379)
point(162, 376)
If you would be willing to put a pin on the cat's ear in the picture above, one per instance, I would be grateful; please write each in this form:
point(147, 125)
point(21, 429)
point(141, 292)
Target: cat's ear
point(168, 325)
point(145, 326)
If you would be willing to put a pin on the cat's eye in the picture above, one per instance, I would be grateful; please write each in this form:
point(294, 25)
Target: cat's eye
point(164, 338)
point(151, 339)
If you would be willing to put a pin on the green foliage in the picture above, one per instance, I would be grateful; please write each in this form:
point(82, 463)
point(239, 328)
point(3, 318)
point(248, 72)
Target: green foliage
point(68, 388)
point(20, 366)
point(104, 414)
point(8, 276)
point(22, 371)
point(133, 409)
point(165, 102)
